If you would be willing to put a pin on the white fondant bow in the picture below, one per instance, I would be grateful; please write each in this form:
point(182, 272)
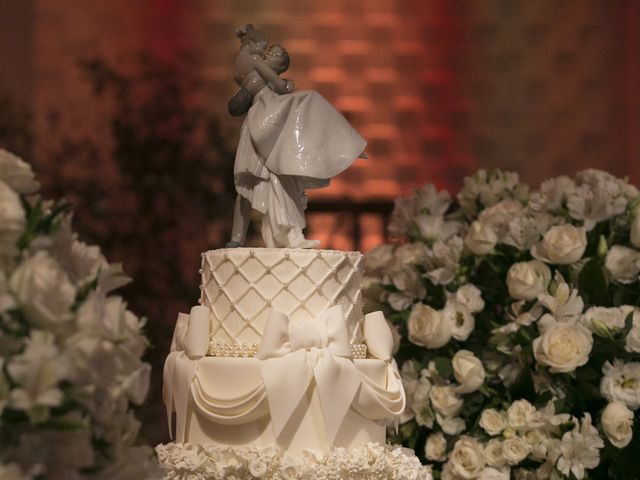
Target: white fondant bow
point(296, 352)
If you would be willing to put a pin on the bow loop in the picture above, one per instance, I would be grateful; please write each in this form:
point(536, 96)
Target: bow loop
point(295, 353)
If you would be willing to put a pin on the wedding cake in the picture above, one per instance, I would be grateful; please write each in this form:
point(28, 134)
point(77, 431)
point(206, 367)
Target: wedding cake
point(276, 374)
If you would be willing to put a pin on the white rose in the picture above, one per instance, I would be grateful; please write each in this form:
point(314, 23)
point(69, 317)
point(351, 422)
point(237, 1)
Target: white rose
point(467, 458)
point(16, 173)
point(460, 318)
point(480, 238)
point(621, 382)
point(43, 290)
point(428, 327)
point(492, 421)
point(604, 321)
point(561, 245)
point(617, 422)
point(632, 340)
point(515, 449)
point(12, 220)
point(623, 264)
point(445, 400)
point(526, 280)
point(563, 346)
point(635, 231)
point(436, 447)
point(490, 473)
point(468, 371)
point(493, 453)
point(469, 296)
point(520, 414)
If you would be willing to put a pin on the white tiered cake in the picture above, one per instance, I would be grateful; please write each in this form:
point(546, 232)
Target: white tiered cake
point(278, 369)
point(276, 374)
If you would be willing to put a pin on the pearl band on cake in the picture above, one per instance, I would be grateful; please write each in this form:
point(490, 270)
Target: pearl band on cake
point(218, 348)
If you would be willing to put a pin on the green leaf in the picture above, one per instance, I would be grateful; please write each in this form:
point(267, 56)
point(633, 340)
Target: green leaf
point(443, 366)
point(592, 284)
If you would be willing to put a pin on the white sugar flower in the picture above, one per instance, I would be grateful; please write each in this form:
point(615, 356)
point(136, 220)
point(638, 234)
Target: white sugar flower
point(480, 238)
point(561, 245)
point(526, 280)
point(617, 422)
point(460, 318)
point(37, 372)
point(623, 264)
point(580, 449)
point(563, 346)
point(435, 449)
point(443, 260)
point(428, 327)
point(565, 303)
point(621, 382)
point(43, 290)
point(16, 173)
point(12, 220)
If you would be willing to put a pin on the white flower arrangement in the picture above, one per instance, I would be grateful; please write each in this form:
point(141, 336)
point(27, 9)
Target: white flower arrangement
point(519, 326)
point(371, 461)
point(70, 351)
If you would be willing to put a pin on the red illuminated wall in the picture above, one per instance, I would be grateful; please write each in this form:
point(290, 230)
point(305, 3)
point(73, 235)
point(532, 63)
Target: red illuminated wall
point(438, 87)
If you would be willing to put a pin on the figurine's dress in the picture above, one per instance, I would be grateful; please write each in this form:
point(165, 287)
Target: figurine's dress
point(289, 143)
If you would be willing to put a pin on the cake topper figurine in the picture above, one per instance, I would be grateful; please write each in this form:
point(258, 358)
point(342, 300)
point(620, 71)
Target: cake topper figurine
point(289, 142)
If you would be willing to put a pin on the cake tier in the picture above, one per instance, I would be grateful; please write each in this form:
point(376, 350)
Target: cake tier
point(366, 462)
point(240, 285)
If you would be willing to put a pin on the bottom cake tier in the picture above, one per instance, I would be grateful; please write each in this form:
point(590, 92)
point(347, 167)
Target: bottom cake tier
point(371, 461)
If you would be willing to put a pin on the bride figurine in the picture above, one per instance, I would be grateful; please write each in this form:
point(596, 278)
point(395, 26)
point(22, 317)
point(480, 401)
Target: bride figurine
point(289, 142)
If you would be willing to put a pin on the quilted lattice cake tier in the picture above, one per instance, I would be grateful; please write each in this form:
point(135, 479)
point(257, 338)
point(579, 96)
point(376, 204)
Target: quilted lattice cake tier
point(240, 285)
